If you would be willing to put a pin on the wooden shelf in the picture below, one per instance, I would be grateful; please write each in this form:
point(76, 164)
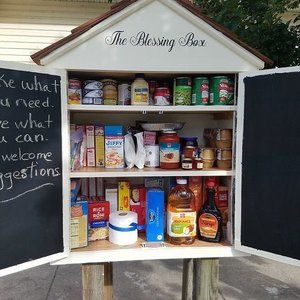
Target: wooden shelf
point(89, 172)
point(104, 251)
point(159, 109)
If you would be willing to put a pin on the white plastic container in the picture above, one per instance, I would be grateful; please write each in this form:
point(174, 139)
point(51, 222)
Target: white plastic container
point(140, 91)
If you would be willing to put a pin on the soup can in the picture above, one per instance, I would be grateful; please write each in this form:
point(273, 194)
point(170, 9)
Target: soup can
point(152, 156)
point(200, 91)
point(162, 96)
point(110, 93)
point(74, 83)
point(219, 90)
point(183, 91)
point(224, 154)
point(124, 94)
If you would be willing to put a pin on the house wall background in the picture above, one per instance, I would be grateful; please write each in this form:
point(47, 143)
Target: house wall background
point(27, 26)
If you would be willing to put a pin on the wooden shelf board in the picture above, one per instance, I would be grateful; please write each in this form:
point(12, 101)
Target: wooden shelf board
point(104, 251)
point(89, 172)
point(167, 109)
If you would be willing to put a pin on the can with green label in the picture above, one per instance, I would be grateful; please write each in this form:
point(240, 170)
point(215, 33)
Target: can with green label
point(200, 91)
point(230, 100)
point(182, 91)
point(219, 90)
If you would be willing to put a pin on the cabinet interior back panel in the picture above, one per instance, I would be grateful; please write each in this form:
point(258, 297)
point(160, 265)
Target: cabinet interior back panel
point(271, 164)
point(194, 123)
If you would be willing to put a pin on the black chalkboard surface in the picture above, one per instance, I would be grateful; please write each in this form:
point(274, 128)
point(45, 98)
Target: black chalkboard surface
point(271, 164)
point(31, 221)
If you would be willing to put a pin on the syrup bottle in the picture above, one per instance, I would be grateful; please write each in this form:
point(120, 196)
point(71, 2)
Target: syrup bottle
point(210, 220)
point(181, 215)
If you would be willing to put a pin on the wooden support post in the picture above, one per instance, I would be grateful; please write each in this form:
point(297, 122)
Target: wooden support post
point(108, 281)
point(97, 281)
point(205, 279)
point(187, 279)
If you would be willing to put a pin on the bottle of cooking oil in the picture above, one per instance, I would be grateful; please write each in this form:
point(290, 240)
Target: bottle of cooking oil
point(181, 215)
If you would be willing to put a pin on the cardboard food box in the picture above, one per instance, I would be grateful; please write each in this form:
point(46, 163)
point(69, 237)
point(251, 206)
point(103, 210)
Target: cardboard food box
point(111, 195)
point(124, 195)
point(79, 224)
point(114, 147)
point(98, 231)
point(90, 145)
point(92, 187)
point(138, 205)
point(99, 145)
point(155, 211)
point(99, 211)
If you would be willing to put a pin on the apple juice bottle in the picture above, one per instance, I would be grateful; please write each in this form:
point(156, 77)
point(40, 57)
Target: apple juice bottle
point(210, 220)
point(181, 215)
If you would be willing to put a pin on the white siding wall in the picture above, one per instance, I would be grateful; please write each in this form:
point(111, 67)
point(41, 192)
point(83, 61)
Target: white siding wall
point(27, 26)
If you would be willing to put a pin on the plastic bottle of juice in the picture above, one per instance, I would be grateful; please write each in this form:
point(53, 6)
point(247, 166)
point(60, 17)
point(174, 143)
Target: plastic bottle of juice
point(181, 215)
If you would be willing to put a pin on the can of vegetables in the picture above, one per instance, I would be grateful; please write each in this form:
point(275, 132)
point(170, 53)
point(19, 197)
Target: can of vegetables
point(183, 91)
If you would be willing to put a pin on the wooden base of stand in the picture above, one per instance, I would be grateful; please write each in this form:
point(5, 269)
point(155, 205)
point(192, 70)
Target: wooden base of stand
point(97, 281)
point(199, 280)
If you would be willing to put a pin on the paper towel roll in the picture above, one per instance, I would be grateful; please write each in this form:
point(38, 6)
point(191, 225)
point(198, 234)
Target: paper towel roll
point(123, 227)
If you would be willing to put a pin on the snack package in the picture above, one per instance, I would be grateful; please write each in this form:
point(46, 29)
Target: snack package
point(129, 150)
point(140, 155)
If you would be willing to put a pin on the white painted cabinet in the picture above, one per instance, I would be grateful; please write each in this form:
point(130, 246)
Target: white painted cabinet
point(274, 93)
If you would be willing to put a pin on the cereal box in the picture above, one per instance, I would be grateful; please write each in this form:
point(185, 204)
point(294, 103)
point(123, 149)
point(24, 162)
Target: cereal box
point(99, 144)
point(124, 195)
point(79, 224)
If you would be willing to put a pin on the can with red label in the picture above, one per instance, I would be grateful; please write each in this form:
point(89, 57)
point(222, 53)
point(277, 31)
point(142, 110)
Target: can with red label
point(162, 96)
point(200, 92)
point(219, 90)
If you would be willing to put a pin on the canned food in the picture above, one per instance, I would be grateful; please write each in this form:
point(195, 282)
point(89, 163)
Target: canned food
point(230, 100)
point(224, 164)
point(74, 96)
point(207, 153)
point(223, 154)
point(93, 85)
point(74, 83)
point(182, 91)
point(200, 93)
point(92, 93)
point(162, 96)
point(152, 156)
point(219, 90)
point(124, 94)
point(152, 87)
point(110, 93)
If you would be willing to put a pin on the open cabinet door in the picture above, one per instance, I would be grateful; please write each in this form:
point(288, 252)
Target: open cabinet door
point(34, 181)
point(268, 165)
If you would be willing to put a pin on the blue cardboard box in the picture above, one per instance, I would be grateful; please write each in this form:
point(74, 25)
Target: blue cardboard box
point(155, 207)
point(113, 130)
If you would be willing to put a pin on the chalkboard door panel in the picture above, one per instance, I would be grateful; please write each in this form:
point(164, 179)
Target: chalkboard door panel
point(267, 214)
point(33, 174)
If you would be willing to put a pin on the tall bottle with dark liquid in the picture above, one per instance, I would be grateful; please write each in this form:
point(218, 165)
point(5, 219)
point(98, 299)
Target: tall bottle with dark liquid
point(210, 220)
